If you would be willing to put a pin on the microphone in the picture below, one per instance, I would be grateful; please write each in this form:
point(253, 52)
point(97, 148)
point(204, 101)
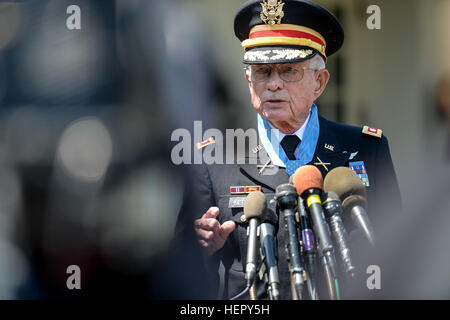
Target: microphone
point(333, 210)
point(254, 211)
point(350, 189)
point(308, 183)
point(269, 252)
point(308, 243)
point(286, 197)
point(308, 248)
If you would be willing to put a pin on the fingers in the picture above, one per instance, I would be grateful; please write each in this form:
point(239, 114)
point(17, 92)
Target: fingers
point(208, 221)
point(208, 247)
point(226, 228)
point(211, 235)
point(207, 227)
point(203, 243)
point(207, 224)
point(212, 212)
point(223, 231)
point(205, 234)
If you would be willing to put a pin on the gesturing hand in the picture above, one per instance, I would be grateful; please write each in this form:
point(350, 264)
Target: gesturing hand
point(210, 233)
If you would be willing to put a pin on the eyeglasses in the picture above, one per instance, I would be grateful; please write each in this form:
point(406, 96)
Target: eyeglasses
point(261, 73)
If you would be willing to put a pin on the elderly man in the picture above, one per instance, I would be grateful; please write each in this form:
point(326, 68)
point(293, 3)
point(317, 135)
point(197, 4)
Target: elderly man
point(286, 46)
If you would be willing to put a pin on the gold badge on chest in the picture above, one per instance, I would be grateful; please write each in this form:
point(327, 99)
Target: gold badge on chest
point(329, 147)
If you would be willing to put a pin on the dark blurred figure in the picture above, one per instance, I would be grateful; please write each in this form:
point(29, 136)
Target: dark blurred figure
point(86, 122)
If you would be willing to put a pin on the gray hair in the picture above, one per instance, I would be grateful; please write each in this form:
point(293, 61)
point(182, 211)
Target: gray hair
point(317, 62)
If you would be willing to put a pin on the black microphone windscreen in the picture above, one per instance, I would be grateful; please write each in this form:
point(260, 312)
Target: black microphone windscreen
point(285, 188)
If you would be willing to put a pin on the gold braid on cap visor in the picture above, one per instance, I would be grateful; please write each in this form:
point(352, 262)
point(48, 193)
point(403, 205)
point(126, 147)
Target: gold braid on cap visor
point(285, 34)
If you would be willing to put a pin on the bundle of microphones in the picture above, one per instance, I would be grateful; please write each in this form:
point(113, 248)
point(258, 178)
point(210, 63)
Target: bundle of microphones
point(311, 210)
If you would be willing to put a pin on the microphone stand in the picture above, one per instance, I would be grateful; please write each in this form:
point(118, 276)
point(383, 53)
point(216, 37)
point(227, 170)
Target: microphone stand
point(332, 285)
point(286, 197)
point(252, 292)
point(322, 231)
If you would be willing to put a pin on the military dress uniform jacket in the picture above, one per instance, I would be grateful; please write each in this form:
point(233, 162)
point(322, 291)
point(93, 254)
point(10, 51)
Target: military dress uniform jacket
point(210, 185)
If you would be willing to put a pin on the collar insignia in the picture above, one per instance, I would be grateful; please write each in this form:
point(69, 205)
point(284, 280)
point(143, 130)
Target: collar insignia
point(266, 165)
point(321, 163)
point(257, 148)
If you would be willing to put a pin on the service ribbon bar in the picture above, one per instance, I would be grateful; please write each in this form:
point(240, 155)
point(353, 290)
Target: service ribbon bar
point(244, 189)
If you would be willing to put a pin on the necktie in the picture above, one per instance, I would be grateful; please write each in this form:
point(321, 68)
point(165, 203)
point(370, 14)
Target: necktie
point(289, 144)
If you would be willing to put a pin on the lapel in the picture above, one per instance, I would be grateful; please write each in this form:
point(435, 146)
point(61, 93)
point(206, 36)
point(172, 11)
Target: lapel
point(270, 178)
point(328, 150)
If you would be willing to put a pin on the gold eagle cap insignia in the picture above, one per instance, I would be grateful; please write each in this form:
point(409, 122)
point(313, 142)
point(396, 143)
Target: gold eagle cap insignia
point(272, 11)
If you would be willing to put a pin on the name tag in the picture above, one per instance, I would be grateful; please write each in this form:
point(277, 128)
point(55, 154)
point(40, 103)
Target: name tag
point(236, 202)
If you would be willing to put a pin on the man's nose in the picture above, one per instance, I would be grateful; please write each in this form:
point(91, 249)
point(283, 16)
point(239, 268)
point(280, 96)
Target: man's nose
point(274, 82)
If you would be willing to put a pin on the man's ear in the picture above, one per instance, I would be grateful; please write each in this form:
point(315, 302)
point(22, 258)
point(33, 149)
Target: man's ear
point(322, 78)
point(247, 75)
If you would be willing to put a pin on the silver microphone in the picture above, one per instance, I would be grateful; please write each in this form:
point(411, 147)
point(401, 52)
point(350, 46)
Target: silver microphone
point(254, 211)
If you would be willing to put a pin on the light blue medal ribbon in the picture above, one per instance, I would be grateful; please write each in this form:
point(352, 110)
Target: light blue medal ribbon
point(304, 154)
